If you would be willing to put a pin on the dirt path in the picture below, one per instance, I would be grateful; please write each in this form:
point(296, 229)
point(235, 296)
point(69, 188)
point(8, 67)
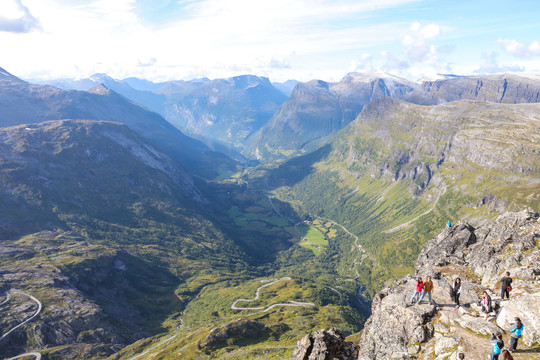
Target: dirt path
point(153, 347)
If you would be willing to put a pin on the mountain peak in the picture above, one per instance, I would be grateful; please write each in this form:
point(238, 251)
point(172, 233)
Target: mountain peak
point(369, 77)
point(101, 77)
point(100, 89)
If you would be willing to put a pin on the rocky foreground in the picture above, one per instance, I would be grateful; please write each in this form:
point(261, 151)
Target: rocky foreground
point(479, 256)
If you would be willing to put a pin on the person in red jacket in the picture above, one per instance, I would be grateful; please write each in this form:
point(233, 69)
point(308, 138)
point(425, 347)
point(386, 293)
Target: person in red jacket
point(418, 290)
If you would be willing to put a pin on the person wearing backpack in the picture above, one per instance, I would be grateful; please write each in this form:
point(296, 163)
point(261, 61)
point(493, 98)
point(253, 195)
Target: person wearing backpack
point(506, 287)
point(418, 290)
point(497, 345)
point(515, 333)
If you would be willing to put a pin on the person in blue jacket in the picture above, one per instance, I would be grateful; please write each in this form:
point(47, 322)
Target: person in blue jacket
point(515, 333)
point(497, 345)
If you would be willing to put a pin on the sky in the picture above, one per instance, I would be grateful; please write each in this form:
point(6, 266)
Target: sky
point(303, 40)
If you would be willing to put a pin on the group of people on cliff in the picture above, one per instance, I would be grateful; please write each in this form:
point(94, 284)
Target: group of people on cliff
point(497, 344)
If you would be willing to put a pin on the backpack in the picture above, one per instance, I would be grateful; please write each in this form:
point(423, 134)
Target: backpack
point(497, 347)
point(519, 330)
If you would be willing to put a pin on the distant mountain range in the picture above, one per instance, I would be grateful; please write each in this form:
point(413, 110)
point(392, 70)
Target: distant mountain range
point(318, 109)
point(24, 103)
point(222, 112)
point(248, 114)
point(124, 227)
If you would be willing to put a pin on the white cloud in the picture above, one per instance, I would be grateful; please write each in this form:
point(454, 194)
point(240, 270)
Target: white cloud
point(414, 41)
point(492, 66)
point(393, 63)
point(16, 18)
point(211, 37)
point(518, 49)
point(363, 64)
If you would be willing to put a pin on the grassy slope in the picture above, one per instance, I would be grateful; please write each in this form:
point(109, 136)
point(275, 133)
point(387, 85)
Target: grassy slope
point(397, 174)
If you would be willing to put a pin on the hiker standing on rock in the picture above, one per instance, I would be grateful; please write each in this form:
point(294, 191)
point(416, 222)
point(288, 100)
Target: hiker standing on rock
point(428, 289)
point(506, 287)
point(515, 333)
point(486, 305)
point(497, 345)
point(418, 290)
point(456, 291)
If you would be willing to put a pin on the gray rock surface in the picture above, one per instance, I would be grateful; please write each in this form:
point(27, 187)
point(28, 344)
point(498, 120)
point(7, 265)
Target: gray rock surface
point(527, 308)
point(325, 345)
point(503, 88)
point(479, 256)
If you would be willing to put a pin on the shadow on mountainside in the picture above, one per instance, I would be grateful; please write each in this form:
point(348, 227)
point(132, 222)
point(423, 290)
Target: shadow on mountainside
point(256, 223)
point(296, 169)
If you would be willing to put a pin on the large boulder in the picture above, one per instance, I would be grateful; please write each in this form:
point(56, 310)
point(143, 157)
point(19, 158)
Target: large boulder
point(232, 333)
point(394, 323)
point(527, 308)
point(447, 248)
point(325, 345)
point(504, 244)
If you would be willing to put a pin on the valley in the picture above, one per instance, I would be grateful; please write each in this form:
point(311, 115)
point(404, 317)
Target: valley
point(136, 241)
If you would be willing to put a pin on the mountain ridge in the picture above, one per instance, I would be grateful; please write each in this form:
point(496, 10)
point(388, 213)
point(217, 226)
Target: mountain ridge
point(24, 103)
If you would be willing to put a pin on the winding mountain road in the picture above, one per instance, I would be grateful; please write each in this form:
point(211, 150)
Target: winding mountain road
point(362, 254)
point(8, 297)
point(38, 311)
point(13, 291)
point(35, 354)
point(263, 308)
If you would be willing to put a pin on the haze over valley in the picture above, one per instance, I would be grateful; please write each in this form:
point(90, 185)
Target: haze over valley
point(270, 204)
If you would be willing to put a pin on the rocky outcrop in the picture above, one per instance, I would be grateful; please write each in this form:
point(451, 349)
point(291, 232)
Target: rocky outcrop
point(504, 244)
point(527, 308)
point(235, 331)
point(325, 345)
point(447, 248)
point(479, 256)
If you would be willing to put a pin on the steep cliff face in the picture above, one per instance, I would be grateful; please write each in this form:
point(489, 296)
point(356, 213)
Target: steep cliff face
point(317, 109)
point(479, 255)
point(501, 88)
